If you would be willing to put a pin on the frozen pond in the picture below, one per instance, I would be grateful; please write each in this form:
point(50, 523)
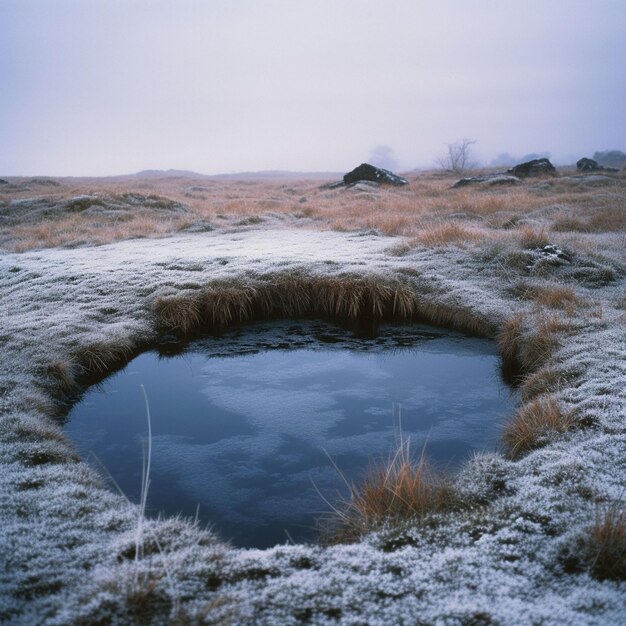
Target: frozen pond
point(243, 425)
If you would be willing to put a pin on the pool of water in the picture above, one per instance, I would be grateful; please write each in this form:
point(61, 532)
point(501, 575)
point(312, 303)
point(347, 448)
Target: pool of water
point(243, 425)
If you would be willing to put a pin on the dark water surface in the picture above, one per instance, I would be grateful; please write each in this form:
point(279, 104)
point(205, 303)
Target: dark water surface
point(242, 424)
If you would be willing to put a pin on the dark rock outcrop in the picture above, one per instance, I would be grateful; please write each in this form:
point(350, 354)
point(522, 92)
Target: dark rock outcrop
point(587, 165)
point(536, 167)
point(334, 185)
point(488, 180)
point(368, 172)
point(4, 182)
point(591, 165)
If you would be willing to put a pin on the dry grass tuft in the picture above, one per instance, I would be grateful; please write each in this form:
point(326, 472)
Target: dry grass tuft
point(98, 359)
point(292, 294)
point(611, 218)
point(531, 238)
point(400, 489)
point(223, 304)
point(542, 381)
point(509, 339)
point(537, 348)
point(97, 211)
point(607, 543)
point(180, 315)
point(64, 376)
point(534, 424)
point(448, 233)
point(527, 351)
point(553, 296)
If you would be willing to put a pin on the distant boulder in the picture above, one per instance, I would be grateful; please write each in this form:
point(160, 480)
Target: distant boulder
point(591, 165)
point(367, 172)
point(536, 167)
point(488, 180)
point(587, 165)
point(4, 182)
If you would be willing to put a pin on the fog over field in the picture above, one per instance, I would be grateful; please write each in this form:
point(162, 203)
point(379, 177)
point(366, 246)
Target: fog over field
point(103, 88)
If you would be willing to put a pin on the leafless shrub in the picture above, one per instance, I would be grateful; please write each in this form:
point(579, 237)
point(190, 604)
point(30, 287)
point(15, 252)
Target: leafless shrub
point(458, 157)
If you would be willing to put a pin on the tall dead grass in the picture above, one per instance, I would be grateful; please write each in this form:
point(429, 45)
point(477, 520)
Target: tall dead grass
point(77, 229)
point(448, 233)
point(534, 424)
point(553, 296)
point(411, 211)
point(527, 341)
point(531, 238)
point(402, 488)
point(98, 359)
point(349, 297)
point(610, 218)
point(606, 543)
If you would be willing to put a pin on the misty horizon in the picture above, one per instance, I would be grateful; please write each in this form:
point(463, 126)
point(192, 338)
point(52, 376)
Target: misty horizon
point(108, 89)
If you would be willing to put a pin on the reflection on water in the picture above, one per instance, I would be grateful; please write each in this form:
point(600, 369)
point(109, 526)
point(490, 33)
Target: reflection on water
point(244, 436)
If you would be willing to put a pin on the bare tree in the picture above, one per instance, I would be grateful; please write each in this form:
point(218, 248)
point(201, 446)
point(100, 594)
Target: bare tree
point(458, 158)
point(382, 156)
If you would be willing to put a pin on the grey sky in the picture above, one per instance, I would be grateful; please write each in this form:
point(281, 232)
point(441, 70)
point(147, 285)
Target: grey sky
point(110, 86)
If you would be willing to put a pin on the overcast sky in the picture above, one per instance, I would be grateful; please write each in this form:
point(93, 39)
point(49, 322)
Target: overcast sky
point(99, 87)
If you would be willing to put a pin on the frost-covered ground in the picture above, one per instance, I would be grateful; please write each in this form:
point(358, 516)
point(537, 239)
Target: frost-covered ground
point(516, 556)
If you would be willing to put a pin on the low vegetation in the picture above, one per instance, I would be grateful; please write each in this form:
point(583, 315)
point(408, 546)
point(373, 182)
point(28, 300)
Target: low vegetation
point(353, 298)
point(606, 543)
point(535, 424)
point(97, 211)
point(401, 489)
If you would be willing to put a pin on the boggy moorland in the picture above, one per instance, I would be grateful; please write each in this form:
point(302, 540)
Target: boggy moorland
point(95, 271)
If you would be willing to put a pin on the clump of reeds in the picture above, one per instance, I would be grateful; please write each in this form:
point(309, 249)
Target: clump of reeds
point(601, 219)
point(293, 294)
point(540, 382)
point(540, 344)
point(531, 238)
point(447, 233)
point(534, 424)
point(99, 358)
point(529, 350)
point(607, 543)
point(178, 314)
point(509, 339)
point(64, 376)
point(551, 296)
point(402, 488)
